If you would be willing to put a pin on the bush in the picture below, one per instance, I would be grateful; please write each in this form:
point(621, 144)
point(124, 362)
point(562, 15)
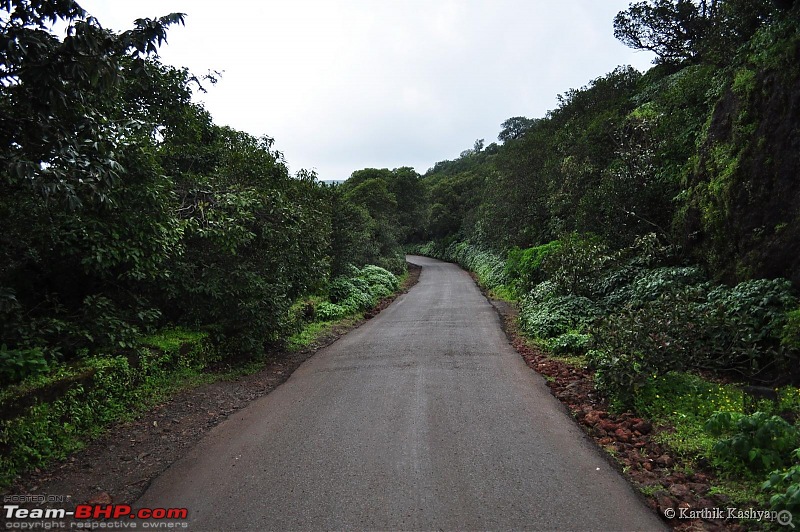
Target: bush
point(73, 403)
point(577, 263)
point(759, 441)
point(358, 291)
point(649, 285)
point(627, 265)
point(635, 344)
point(670, 324)
point(16, 364)
point(619, 375)
point(376, 276)
point(747, 323)
point(339, 289)
point(790, 337)
point(489, 267)
point(785, 487)
point(555, 315)
point(524, 266)
point(330, 311)
point(570, 343)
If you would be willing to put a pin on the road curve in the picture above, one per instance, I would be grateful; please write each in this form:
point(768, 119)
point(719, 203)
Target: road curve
point(423, 418)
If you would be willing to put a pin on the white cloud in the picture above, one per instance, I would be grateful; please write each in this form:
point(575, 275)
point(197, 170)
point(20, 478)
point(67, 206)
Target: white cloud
point(343, 85)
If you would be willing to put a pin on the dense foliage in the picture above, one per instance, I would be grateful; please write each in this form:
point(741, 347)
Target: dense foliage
point(125, 208)
point(699, 150)
point(651, 219)
point(358, 291)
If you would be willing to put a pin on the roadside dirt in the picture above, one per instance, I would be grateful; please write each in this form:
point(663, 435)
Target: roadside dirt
point(671, 484)
point(119, 466)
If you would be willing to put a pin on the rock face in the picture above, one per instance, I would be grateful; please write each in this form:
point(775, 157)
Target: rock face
point(742, 216)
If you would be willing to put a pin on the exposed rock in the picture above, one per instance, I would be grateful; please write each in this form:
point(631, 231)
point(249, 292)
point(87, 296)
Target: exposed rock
point(665, 460)
point(607, 425)
point(664, 502)
point(623, 435)
point(642, 426)
point(698, 488)
point(680, 491)
point(592, 418)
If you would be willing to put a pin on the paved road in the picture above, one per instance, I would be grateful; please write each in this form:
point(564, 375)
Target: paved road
point(424, 418)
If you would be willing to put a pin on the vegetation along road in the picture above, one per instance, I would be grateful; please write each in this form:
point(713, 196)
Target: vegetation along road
point(423, 418)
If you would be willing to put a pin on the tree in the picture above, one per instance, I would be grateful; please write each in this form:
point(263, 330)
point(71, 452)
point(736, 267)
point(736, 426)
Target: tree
point(514, 128)
point(691, 30)
point(673, 29)
point(405, 184)
point(371, 190)
point(85, 208)
point(57, 134)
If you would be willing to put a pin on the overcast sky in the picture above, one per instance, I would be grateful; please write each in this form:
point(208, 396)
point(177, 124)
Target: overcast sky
point(344, 85)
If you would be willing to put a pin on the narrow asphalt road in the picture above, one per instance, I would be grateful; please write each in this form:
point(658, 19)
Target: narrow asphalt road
point(424, 418)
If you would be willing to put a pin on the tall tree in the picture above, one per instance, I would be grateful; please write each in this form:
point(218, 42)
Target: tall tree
point(690, 30)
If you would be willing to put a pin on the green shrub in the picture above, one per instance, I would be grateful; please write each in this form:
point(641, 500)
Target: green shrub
point(380, 278)
point(17, 364)
point(339, 289)
point(759, 442)
point(671, 324)
point(619, 375)
point(615, 282)
point(524, 266)
point(746, 323)
point(489, 267)
point(649, 285)
point(331, 311)
point(556, 315)
point(83, 398)
point(570, 343)
point(360, 290)
point(577, 263)
point(541, 293)
point(784, 485)
point(635, 344)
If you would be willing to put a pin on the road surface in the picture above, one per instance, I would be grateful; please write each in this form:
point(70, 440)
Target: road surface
point(423, 418)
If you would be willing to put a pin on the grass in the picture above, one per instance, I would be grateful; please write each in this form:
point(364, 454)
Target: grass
point(310, 333)
point(576, 361)
point(503, 293)
point(740, 493)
